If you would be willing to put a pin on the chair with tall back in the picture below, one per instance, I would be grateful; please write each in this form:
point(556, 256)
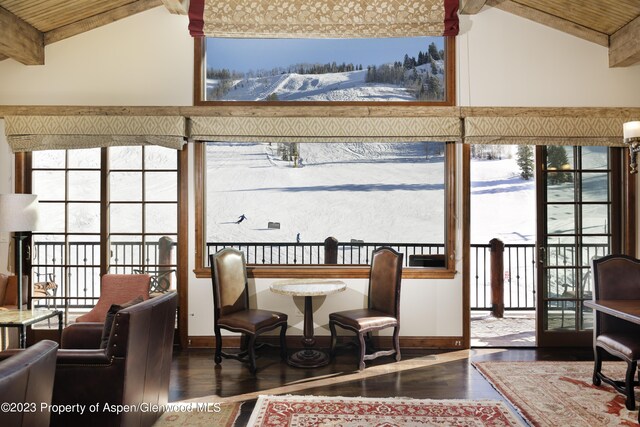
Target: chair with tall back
point(616, 277)
point(383, 310)
point(231, 308)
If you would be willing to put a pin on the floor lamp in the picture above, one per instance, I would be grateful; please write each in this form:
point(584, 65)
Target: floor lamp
point(18, 214)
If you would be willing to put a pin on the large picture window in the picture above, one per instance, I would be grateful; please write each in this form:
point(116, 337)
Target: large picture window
point(293, 207)
point(403, 69)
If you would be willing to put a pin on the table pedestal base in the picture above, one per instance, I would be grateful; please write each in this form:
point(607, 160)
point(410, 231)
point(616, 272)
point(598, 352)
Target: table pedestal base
point(309, 358)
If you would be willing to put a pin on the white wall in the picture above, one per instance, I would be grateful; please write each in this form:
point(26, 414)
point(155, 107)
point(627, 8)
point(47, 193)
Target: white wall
point(504, 60)
point(146, 59)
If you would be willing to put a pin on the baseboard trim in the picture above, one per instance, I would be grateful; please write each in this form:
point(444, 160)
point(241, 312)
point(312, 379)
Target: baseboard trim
point(426, 343)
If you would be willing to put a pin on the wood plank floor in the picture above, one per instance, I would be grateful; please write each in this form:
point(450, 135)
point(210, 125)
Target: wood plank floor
point(420, 374)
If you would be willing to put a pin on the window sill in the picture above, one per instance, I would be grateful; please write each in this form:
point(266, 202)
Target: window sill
point(347, 272)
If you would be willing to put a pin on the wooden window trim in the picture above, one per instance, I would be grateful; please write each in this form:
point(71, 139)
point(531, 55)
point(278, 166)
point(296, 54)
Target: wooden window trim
point(23, 184)
point(315, 271)
point(450, 86)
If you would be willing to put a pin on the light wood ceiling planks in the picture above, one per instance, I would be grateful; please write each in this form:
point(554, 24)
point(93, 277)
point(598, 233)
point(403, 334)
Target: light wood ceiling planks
point(47, 15)
point(603, 16)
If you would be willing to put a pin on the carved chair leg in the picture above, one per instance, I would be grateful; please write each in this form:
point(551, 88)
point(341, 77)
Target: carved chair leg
point(597, 366)
point(218, 356)
point(283, 342)
point(252, 354)
point(244, 341)
point(396, 342)
point(334, 340)
point(363, 349)
point(628, 385)
point(369, 341)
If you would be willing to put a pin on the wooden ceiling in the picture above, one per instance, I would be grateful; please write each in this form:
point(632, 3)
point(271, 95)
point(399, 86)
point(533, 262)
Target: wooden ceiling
point(28, 25)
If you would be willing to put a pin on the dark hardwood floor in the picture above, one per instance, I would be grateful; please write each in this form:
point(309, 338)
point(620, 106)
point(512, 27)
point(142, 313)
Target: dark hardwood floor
point(420, 374)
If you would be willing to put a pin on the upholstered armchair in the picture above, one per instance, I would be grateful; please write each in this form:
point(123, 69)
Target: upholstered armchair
point(231, 308)
point(383, 308)
point(26, 377)
point(133, 368)
point(114, 289)
point(616, 277)
point(117, 289)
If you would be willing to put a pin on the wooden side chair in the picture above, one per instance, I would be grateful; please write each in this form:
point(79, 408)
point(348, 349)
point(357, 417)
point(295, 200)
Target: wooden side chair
point(231, 308)
point(383, 310)
point(616, 277)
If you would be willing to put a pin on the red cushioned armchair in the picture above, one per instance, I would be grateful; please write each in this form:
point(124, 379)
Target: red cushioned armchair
point(114, 289)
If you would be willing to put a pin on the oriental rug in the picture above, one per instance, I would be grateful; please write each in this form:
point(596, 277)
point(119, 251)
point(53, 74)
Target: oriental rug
point(199, 412)
point(308, 411)
point(560, 393)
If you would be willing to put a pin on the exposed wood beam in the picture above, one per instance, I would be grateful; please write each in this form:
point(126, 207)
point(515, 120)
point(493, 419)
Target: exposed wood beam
point(99, 20)
point(20, 40)
point(471, 7)
point(624, 47)
point(316, 111)
point(551, 21)
point(177, 7)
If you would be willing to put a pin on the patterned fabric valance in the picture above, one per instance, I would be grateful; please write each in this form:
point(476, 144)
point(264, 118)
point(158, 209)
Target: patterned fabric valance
point(322, 18)
point(325, 129)
point(31, 133)
point(534, 130)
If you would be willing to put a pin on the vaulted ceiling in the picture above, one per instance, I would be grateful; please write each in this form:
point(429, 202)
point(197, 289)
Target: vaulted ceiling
point(26, 26)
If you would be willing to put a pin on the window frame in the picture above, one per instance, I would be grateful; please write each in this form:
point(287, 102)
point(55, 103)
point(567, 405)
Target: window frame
point(24, 183)
point(326, 271)
point(450, 85)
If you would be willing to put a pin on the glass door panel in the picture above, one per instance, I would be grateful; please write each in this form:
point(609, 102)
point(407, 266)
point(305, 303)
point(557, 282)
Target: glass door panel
point(575, 202)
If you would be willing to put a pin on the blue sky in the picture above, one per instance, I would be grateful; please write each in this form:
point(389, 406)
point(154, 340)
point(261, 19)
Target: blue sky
point(254, 54)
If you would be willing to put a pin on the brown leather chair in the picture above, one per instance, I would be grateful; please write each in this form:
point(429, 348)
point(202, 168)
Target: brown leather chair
point(133, 369)
point(26, 377)
point(383, 310)
point(231, 308)
point(616, 277)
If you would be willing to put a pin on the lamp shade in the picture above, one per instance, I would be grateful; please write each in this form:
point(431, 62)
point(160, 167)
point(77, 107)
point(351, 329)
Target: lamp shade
point(631, 130)
point(18, 212)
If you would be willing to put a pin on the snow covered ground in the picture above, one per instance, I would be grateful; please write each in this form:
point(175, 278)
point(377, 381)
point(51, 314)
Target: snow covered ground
point(370, 192)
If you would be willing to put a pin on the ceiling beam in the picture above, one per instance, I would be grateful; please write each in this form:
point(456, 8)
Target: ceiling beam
point(551, 21)
point(99, 20)
point(20, 40)
point(177, 7)
point(624, 48)
point(471, 7)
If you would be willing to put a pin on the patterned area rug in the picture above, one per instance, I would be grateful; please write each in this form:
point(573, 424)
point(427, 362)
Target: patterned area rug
point(370, 412)
point(560, 393)
point(199, 412)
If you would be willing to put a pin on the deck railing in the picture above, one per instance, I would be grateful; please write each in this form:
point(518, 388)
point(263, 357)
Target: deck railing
point(79, 277)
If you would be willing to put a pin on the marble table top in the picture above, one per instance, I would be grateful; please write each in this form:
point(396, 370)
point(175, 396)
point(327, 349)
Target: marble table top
point(25, 317)
point(308, 287)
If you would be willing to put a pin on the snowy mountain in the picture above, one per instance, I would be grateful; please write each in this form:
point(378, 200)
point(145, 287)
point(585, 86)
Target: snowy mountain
point(339, 86)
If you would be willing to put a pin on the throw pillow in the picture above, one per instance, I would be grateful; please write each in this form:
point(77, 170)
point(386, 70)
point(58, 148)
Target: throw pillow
point(111, 315)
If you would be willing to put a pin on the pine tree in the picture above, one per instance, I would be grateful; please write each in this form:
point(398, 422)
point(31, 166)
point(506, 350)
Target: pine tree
point(525, 161)
point(557, 160)
point(433, 51)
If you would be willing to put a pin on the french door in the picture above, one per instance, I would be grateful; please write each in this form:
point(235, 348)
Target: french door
point(581, 197)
